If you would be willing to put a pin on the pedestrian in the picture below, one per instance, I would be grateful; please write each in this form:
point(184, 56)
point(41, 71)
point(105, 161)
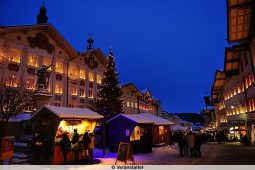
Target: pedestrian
point(186, 147)
point(181, 143)
point(198, 144)
point(75, 145)
point(86, 140)
point(191, 143)
point(65, 144)
point(37, 148)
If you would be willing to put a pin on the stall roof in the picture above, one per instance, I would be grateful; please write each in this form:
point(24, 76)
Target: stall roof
point(66, 112)
point(138, 120)
point(155, 119)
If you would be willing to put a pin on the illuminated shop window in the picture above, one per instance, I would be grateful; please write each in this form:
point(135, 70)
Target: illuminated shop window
point(32, 60)
point(128, 104)
point(82, 74)
point(161, 130)
point(82, 92)
point(91, 76)
point(99, 79)
point(47, 62)
point(14, 55)
point(135, 105)
point(136, 134)
point(74, 90)
point(59, 67)
point(12, 81)
point(30, 84)
point(90, 94)
point(58, 88)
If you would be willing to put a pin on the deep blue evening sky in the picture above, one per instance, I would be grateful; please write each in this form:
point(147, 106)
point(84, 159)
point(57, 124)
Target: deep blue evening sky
point(171, 47)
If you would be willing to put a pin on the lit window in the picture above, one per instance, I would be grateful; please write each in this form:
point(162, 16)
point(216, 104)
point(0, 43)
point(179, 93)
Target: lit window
point(59, 67)
point(82, 92)
point(82, 74)
point(136, 134)
point(131, 104)
point(74, 90)
point(161, 130)
point(90, 95)
point(30, 83)
point(99, 79)
point(47, 62)
point(12, 81)
point(128, 104)
point(91, 76)
point(14, 55)
point(33, 60)
point(135, 105)
point(73, 72)
point(58, 88)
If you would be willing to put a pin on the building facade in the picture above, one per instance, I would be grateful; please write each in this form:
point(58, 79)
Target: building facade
point(73, 77)
point(139, 101)
point(233, 91)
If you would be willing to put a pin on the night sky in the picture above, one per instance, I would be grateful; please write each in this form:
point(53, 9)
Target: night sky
point(171, 47)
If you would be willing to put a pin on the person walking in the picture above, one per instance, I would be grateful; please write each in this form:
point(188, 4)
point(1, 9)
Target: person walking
point(75, 145)
point(65, 144)
point(198, 144)
point(186, 147)
point(86, 140)
point(181, 143)
point(191, 143)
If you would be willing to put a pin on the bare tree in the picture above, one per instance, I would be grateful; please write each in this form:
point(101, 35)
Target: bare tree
point(13, 101)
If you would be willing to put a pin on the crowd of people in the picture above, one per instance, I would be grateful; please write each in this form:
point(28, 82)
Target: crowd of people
point(189, 144)
point(75, 145)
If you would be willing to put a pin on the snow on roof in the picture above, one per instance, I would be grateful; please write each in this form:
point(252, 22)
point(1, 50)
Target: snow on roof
point(134, 119)
point(66, 112)
point(21, 117)
point(144, 90)
point(155, 119)
point(179, 127)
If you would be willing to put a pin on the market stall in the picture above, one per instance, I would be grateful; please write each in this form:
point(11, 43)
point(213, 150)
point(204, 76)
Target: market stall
point(51, 122)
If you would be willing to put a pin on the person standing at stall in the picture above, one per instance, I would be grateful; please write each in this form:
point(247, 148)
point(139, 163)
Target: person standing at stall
point(75, 145)
point(65, 144)
point(91, 146)
point(85, 142)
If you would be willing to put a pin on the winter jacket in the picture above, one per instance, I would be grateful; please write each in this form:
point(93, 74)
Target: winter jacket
point(191, 141)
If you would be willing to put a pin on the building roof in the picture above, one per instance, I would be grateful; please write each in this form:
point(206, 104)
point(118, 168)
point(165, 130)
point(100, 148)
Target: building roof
point(75, 113)
point(132, 87)
point(21, 117)
point(145, 118)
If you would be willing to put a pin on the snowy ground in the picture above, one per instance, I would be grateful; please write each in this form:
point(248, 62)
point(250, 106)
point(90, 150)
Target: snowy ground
point(165, 155)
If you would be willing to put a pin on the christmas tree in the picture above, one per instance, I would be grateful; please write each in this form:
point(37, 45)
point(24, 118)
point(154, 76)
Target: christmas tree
point(108, 102)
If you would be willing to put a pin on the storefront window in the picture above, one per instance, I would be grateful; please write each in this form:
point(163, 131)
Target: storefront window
point(33, 60)
point(59, 67)
point(161, 130)
point(14, 55)
point(136, 135)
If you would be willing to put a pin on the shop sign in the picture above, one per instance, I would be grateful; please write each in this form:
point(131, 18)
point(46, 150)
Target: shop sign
point(7, 148)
